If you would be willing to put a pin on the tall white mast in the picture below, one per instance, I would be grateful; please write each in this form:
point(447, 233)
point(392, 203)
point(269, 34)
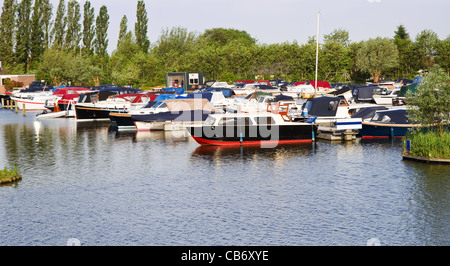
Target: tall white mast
point(317, 48)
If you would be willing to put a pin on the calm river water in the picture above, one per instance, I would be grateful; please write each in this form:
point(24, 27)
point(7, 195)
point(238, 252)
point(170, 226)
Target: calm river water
point(87, 182)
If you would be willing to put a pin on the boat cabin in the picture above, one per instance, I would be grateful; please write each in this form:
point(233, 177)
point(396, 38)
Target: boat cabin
point(327, 107)
point(397, 116)
point(245, 119)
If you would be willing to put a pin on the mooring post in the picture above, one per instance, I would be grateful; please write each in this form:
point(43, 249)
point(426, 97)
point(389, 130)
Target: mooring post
point(3, 102)
point(24, 110)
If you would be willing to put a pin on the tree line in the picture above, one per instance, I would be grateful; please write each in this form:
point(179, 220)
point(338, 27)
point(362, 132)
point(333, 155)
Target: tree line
point(72, 47)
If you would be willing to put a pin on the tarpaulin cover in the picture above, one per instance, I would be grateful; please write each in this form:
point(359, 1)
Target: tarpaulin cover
point(405, 88)
point(320, 84)
point(364, 93)
point(396, 116)
point(227, 92)
point(281, 97)
point(189, 104)
point(176, 90)
point(163, 97)
point(69, 90)
point(322, 106)
point(201, 95)
point(368, 112)
point(38, 89)
point(182, 116)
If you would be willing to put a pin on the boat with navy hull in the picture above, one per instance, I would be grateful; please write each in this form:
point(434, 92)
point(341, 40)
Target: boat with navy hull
point(172, 114)
point(98, 104)
point(387, 124)
point(266, 129)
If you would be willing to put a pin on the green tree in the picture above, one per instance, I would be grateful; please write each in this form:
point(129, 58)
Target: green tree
point(123, 30)
point(221, 36)
point(46, 9)
point(443, 58)
point(404, 47)
point(308, 60)
point(23, 41)
point(338, 35)
point(59, 25)
point(334, 59)
point(101, 31)
point(88, 28)
point(430, 104)
point(172, 46)
point(140, 27)
point(7, 24)
point(426, 48)
point(125, 69)
point(73, 33)
point(37, 33)
point(377, 56)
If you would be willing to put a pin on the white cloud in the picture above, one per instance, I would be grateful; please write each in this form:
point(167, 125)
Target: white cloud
point(374, 1)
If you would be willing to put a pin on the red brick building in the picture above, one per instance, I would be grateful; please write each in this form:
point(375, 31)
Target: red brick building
point(4, 76)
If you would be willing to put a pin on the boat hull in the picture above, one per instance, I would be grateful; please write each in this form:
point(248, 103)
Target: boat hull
point(253, 135)
point(28, 104)
point(122, 120)
point(380, 131)
point(168, 120)
point(93, 113)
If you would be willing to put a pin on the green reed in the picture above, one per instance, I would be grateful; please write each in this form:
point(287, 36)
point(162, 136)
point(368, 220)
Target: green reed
point(429, 144)
point(7, 173)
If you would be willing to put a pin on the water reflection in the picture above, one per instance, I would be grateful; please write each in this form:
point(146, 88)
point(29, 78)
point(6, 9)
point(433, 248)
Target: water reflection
point(279, 152)
point(144, 136)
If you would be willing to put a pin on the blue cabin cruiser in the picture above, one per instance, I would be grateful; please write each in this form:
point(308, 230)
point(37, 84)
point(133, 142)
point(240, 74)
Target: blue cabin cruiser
point(387, 124)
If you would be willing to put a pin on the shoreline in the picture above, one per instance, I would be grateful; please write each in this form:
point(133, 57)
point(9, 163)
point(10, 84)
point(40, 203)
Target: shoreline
point(424, 159)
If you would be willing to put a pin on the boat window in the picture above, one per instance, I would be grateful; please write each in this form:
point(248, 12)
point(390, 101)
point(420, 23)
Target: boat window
point(149, 104)
point(264, 120)
point(235, 121)
point(343, 102)
point(159, 105)
point(386, 119)
point(209, 121)
point(375, 117)
point(308, 105)
point(332, 105)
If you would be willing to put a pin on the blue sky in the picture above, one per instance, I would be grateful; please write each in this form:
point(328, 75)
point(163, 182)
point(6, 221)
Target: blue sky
point(277, 21)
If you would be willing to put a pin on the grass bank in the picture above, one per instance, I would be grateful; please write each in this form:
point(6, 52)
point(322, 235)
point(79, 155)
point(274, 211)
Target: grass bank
point(428, 145)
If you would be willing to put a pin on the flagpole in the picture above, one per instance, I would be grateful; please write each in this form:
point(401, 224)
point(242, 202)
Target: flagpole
point(317, 48)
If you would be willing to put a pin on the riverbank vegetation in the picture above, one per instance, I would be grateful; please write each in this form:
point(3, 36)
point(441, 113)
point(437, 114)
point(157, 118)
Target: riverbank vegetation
point(73, 46)
point(429, 144)
point(430, 105)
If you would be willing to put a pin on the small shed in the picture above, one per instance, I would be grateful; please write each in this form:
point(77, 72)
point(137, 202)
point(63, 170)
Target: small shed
point(186, 80)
